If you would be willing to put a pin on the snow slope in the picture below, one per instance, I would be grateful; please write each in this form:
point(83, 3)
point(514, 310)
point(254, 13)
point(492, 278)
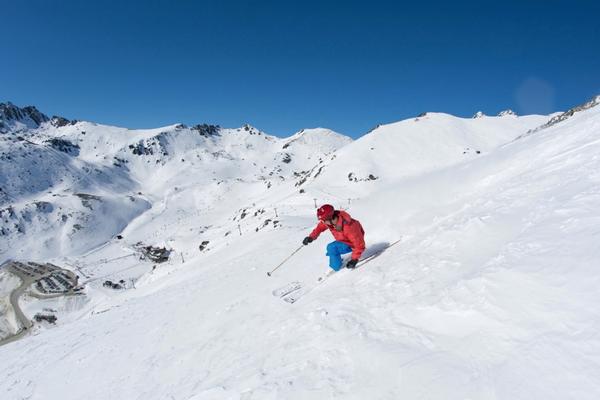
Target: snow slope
point(414, 146)
point(490, 294)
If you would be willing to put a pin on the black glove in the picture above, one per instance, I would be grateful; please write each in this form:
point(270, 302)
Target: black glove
point(352, 264)
point(307, 240)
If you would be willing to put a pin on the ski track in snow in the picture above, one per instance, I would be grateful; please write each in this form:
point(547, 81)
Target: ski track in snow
point(491, 294)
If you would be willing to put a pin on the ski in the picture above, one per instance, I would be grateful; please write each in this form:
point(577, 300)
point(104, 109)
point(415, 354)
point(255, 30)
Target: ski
point(287, 289)
point(365, 260)
point(294, 296)
point(298, 290)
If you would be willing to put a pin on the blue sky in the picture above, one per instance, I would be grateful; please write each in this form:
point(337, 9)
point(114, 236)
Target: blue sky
point(283, 66)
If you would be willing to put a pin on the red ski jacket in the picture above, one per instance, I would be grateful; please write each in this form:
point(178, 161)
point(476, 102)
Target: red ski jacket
point(346, 230)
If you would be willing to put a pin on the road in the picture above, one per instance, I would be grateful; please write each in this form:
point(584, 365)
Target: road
point(25, 322)
point(26, 281)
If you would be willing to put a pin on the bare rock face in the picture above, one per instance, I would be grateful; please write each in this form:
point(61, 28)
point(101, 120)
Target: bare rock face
point(11, 116)
point(17, 118)
point(58, 121)
point(207, 130)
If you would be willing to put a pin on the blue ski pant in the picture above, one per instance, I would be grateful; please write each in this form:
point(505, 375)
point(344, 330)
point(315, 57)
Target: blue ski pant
point(335, 251)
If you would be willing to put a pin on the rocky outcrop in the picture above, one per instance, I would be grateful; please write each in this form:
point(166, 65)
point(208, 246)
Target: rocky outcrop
point(64, 145)
point(207, 130)
point(156, 145)
point(567, 114)
point(250, 129)
point(12, 116)
point(507, 113)
point(353, 178)
point(58, 121)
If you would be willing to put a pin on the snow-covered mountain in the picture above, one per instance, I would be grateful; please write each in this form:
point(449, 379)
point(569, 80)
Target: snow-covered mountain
point(491, 292)
point(75, 185)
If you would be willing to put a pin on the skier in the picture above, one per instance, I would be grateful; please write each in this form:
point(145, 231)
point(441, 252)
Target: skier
point(348, 233)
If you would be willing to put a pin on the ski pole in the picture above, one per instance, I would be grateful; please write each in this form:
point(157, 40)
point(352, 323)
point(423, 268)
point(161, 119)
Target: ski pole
point(283, 262)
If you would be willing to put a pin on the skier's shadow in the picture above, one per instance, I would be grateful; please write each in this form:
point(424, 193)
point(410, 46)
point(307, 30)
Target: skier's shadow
point(375, 250)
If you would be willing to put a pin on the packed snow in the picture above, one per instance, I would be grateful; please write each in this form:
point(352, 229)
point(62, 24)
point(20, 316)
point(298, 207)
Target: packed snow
point(490, 293)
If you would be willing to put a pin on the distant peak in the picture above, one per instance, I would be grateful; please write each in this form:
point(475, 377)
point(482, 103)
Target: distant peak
point(315, 131)
point(11, 116)
point(58, 121)
point(479, 114)
point(249, 129)
point(507, 112)
point(314, 134)
point(317, 135)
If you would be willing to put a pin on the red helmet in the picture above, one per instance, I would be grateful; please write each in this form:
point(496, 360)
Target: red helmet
point(325, 212)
